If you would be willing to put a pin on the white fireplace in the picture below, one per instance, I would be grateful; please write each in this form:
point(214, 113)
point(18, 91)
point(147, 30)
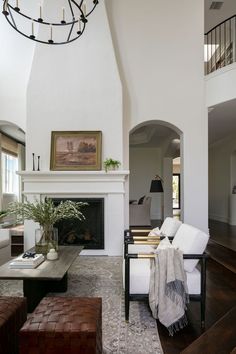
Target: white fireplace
point(82, 184)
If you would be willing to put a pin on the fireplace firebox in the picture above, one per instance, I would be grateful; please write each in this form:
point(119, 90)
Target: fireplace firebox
point(89, 232)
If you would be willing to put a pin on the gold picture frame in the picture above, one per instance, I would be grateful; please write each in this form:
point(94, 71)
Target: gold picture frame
point(76, 150)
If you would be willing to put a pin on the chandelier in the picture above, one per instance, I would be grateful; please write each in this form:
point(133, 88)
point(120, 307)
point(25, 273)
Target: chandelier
point(66, 24)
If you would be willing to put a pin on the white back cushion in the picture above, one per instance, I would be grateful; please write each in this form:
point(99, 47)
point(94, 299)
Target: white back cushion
point(170, 226)
point(190, 240)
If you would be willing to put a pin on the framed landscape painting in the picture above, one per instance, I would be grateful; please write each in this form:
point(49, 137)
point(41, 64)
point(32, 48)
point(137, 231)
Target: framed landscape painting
point(76, 150)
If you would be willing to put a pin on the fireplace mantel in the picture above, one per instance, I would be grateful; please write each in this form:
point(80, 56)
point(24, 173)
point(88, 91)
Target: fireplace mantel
point(38, 182)
point(111, 186)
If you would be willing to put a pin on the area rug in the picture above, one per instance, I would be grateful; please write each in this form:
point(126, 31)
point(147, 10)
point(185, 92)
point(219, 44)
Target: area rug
point(102, 277)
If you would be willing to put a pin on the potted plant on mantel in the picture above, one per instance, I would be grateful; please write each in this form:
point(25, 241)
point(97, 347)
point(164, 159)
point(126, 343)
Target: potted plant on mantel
point(46, 213)
point(110, 164)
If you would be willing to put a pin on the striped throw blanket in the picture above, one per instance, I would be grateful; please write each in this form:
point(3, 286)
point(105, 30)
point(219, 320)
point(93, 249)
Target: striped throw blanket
point(168, 292)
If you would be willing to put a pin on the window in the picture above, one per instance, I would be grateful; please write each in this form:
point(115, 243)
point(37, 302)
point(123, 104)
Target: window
point(10, 180)
point(176, 190)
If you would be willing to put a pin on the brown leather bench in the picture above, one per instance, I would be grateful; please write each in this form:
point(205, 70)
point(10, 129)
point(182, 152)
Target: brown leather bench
point(13, 314)
point(64, 325)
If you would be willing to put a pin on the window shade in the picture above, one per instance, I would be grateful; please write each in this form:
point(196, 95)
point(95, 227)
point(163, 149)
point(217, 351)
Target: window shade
point(9, 145)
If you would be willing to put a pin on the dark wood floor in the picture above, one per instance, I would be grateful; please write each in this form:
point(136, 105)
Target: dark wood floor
point(221, 297)
point(223, 233)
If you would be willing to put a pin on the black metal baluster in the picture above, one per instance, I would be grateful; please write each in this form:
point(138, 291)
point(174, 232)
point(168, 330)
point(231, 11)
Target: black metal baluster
point(230, 41)
point(225, 43)
point(220, 47)
point(211, 51)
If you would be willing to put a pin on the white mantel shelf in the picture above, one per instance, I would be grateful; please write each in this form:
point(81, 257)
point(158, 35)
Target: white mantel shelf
point(34, 175)
point(72, 176)
point(40, 182)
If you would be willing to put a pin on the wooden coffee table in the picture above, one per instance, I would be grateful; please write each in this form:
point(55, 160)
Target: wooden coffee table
point(49, 276)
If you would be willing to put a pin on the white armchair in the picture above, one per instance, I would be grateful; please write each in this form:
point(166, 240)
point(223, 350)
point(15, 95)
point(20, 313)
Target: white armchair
point(139, 214)
point(188, 239)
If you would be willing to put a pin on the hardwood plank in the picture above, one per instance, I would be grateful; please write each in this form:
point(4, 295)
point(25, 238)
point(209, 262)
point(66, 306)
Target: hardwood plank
point(221, 297)
point(220, 338)
point(223, 233)
point(223, 255)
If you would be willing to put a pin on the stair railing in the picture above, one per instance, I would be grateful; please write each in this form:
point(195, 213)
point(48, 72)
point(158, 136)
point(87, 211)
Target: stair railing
point(220, 45)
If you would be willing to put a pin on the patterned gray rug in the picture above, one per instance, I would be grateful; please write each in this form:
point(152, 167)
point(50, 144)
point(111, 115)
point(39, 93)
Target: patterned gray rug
point(102, 277)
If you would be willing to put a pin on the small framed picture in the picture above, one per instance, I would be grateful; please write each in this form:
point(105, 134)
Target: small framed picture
point(76, 150)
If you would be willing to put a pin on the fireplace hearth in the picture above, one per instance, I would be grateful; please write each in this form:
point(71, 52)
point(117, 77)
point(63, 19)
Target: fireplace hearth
point(89, 232)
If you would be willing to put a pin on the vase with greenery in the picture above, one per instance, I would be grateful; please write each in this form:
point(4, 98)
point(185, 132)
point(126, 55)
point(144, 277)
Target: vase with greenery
point(46, 213)
point(110, 164)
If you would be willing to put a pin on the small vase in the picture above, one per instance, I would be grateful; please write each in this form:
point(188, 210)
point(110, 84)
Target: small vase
point(46, 238)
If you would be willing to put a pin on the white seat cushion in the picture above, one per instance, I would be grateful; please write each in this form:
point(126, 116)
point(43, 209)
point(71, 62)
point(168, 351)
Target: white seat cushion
point(140, 275)
point(190, 240)
point(140, 248)
point(194, 282)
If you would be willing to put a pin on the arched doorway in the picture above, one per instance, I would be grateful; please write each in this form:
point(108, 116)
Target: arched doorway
point(153, 146)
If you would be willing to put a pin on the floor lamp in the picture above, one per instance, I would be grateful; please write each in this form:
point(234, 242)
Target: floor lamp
point(157, 187)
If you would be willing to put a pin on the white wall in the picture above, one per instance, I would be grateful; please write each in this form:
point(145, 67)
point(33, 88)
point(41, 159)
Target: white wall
point(159, 47)
point(75, 87)
point(15, 64)
point(221, 85)
point(220, 179)
point(145, 163)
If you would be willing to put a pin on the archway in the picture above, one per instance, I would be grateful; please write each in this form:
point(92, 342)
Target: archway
point(153, 146)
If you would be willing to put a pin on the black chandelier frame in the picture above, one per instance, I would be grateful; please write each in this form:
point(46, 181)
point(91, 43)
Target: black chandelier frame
point(8, 11)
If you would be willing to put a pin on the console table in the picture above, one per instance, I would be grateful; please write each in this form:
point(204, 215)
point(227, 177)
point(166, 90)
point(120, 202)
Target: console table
point(49, 276)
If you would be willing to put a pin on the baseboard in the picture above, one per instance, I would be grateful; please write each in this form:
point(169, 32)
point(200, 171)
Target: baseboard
point(219, 218)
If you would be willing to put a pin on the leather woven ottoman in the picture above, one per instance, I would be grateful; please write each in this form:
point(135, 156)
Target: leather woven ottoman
point(64, 325)
point(13, 314)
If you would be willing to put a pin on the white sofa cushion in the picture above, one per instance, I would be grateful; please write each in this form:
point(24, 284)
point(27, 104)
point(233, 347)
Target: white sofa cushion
point(4, 237)
point(168, 228)
point(190, 240)
point(140, 275)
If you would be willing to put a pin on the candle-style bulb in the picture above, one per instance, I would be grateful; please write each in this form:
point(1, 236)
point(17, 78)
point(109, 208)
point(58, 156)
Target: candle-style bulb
point(84, 8)
point(32, 28)
point(40, 11)
point(79, 26)
point(50, 40)
point(17, 6)
point(63, 14)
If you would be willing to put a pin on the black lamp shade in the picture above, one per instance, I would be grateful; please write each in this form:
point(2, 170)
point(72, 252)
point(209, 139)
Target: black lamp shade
point(156, 186)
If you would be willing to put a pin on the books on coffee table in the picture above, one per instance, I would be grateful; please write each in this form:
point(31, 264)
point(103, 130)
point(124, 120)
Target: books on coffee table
point(27, 263)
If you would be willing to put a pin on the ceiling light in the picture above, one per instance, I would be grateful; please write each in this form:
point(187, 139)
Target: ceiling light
point(67, 25)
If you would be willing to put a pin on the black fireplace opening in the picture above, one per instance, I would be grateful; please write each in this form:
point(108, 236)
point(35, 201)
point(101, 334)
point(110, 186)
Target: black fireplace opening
point(89, 232)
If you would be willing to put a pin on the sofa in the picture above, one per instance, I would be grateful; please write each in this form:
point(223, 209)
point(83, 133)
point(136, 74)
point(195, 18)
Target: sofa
point(140, 212)
point(5, 246)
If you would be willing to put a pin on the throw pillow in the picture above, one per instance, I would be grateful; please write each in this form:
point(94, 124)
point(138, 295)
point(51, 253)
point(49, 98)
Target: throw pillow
point(141, 200)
